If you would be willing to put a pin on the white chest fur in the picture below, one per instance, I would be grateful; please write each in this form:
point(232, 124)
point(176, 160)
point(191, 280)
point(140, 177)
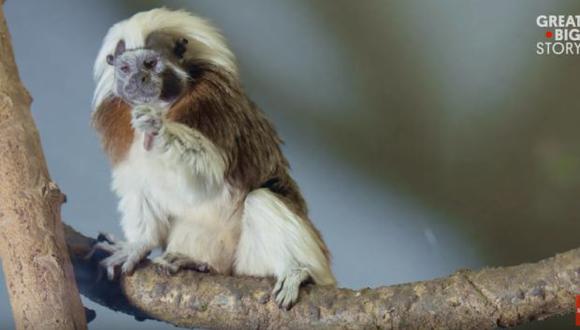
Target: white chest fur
point(167, 198)
point(168, 180)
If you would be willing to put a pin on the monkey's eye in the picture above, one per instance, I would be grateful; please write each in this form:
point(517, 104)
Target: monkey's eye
point(180, 47)
point(125, 68)
point(110, 59)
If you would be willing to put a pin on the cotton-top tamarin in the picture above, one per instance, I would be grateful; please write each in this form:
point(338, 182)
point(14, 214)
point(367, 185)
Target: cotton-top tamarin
point(196, 165)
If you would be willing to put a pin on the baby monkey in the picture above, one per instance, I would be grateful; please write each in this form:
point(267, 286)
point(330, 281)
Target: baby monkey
point(196, 165)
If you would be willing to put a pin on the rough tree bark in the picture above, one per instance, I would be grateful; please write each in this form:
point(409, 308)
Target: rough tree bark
point(467, 299)
point(38, 271)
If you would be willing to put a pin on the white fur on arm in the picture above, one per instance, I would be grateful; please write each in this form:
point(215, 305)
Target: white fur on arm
point(178, 144)
point(184, 144)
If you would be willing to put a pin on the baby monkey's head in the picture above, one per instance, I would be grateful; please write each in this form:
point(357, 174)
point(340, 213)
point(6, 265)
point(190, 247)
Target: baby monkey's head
point(149, 75)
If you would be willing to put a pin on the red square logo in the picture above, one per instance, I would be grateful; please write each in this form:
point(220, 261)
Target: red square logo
point(578, 310)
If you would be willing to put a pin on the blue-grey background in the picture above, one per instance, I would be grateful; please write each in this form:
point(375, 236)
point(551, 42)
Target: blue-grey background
point(427, 135)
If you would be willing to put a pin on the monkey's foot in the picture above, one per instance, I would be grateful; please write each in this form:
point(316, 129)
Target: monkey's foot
point(171, 263)
point(123, 254)
point(287, 287)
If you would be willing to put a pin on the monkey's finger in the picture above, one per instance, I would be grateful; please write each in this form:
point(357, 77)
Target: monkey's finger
point(127, 268)
point(290, 299)
point(167, 268)
point(97, 246)
point(110, 263)
point(130, 264)
point(106, 237)
point(278, 287)
point(280, 301)
point(172, 269)
point(105, 246)
point(285, 300)
point(111, 272)
point(202, 268)
point(288, 303)
point(90, 254)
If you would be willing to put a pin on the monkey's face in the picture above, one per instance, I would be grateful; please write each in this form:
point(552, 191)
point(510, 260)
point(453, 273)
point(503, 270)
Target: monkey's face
point(138, 76)
point(144, 76)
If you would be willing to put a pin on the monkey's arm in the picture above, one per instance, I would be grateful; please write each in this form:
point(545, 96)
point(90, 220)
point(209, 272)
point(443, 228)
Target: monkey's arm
point(179, 142)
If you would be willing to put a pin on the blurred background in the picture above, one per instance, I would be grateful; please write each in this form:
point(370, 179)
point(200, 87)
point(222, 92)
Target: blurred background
point(427, 136)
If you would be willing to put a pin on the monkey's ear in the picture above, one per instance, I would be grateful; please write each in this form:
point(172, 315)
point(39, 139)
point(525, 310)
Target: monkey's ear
point(120, 49)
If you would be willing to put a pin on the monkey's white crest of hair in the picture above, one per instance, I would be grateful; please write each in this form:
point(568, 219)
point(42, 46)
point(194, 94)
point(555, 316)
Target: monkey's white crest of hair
point(134, 31)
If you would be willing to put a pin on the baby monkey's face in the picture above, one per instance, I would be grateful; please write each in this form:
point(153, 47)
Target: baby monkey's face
point(144, 76)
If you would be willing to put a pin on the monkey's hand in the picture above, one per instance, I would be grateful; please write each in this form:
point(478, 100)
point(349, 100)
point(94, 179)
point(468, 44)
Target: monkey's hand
point(126, 255)
point(149, 121)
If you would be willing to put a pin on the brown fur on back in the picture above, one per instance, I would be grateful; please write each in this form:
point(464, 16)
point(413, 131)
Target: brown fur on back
point(216, 106)
point(112, 120)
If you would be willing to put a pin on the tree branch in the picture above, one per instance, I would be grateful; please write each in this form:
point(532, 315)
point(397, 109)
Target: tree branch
point(37, 268)
point(488, 298)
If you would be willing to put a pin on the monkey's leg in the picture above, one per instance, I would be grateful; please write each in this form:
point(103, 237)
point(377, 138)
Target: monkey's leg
point(144, 226)
point(275, 241)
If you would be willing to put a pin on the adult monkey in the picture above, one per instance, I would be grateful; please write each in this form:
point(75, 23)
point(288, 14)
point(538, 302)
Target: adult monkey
point(197, 166)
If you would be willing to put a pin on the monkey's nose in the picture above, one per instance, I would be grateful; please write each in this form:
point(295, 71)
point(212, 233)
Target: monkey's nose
point(145, 78)
point(150, 63)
